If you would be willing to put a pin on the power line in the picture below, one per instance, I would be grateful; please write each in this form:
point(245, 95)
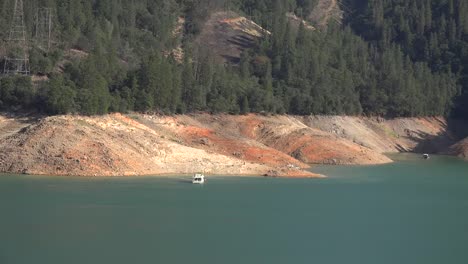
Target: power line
point(17, 58)
point(43, 34)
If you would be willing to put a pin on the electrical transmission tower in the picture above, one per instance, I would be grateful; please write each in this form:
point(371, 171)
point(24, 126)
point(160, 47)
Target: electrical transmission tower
point(17, 58)
point(43, 28)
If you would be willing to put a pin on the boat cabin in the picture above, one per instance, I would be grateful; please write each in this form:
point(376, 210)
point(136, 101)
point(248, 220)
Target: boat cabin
point(198, 178)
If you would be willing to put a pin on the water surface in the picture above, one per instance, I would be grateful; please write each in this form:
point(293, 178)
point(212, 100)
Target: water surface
point(412, 211)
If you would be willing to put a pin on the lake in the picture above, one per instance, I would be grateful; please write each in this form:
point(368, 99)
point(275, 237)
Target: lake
point(412, 211)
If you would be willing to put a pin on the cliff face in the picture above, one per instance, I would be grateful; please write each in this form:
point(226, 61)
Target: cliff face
point(118, 145)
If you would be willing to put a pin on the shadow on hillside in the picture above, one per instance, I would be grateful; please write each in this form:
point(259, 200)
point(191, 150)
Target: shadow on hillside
point(231, 59)
point(17, 122)
point(454, 131)
point(400, 148)
point(242, 41)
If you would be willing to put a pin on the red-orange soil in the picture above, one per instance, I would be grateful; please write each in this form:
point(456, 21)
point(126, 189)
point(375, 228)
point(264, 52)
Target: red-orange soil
point(136, 144)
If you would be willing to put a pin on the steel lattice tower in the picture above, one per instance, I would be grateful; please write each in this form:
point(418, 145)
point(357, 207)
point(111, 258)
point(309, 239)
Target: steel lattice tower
point(44, 28)
point(17, 58)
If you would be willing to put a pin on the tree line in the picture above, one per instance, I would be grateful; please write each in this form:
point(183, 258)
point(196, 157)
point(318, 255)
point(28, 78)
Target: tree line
point(389, 57)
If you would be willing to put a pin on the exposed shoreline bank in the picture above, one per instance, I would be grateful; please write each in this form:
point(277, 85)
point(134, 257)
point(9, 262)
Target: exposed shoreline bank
point(181, 177)
point(275, 146)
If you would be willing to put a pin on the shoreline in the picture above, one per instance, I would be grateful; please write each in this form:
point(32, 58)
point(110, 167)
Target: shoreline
point(396, 157)
point(163, 176)
point(120, 145)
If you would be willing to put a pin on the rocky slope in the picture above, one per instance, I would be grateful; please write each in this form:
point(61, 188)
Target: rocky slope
point(118, 145)
point(227, 35)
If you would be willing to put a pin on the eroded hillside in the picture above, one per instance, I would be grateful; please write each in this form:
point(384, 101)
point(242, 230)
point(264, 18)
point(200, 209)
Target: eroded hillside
point(125, 145)
point(117, 145)
point(227, 35)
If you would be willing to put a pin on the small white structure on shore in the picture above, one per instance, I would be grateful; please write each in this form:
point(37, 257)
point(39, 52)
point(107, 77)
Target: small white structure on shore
point(426, 156)
point(198, 178)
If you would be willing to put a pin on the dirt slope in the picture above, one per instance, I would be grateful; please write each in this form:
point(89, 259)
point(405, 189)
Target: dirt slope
point(227, 35)
point(338, 139)
point(117, 145)
point(293, 137)
point(394, 135)
point(10, 125)
point(136, 144)
point(326, 11)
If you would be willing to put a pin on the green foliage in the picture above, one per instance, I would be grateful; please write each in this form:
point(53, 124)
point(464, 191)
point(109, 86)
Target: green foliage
point(16, 93)
point(61, 96)
point(390, 57)
point(432, 33)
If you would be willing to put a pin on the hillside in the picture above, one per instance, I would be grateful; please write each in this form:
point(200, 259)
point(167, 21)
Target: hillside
point(226, 35)
point(326, 11)
point(117, 145)
point(137, 144)
point(308, 57)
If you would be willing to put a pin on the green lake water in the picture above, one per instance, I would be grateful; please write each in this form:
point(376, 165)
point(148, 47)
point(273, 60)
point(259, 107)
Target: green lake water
point(412, 211)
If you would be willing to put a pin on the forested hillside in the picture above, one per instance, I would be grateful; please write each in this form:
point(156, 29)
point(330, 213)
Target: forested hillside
point(387, 57)
point(429, 32)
